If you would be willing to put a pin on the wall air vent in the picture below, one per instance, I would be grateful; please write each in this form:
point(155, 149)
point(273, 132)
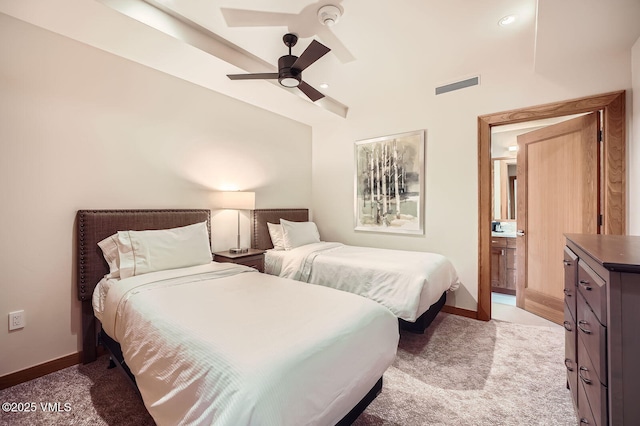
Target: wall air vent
point(473, 81)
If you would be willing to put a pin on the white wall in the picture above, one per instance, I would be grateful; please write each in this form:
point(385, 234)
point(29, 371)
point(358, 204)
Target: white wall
point(633, 169)
point(450, 120)
point(83, 129)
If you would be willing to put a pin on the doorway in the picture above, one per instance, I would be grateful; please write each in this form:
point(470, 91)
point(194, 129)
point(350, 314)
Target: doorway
point(504, 199)
point(613, 173)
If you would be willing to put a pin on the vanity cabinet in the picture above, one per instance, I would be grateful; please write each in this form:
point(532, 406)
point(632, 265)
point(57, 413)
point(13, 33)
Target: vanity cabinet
point(503, 265)
point(602, 313)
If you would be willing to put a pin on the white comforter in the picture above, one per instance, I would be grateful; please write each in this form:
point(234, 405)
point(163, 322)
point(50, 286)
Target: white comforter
point(217, 344)
point(406, 282)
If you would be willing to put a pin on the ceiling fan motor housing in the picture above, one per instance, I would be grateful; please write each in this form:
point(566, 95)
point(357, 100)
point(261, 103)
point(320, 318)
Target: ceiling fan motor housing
point(290, 67)
point(287, 76)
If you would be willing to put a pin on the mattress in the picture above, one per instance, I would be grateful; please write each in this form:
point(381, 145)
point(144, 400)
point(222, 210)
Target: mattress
point(406, 282)
point(223, 344)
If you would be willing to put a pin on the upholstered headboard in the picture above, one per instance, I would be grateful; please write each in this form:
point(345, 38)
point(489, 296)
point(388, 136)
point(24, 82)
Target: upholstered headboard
point(94, 226)
point(260, 238)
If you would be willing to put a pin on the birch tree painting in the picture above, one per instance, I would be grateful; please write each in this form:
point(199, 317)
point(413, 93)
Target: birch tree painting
point(389, 183)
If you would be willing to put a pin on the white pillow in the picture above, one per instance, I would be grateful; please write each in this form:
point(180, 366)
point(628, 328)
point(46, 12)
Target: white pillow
point(109, 247)
point(275, 232)
point(141, 252)
point(296, 234)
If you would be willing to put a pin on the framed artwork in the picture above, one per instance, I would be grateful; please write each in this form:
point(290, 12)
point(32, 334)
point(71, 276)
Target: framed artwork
point(389, 183)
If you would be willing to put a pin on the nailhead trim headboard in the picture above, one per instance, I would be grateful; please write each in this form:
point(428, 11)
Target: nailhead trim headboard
point(92, 226)
point(95, 225)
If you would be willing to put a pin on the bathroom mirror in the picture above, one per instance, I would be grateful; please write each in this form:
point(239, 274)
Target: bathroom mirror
point(504, 173)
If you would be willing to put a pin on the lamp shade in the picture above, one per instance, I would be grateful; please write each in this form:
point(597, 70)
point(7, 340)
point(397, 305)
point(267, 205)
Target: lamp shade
point(237, 200)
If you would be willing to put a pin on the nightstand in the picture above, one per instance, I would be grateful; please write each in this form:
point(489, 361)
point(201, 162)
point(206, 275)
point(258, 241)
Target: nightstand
point(253, 258)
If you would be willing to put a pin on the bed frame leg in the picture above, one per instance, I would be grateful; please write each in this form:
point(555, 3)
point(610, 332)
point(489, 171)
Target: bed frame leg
point(89, 342)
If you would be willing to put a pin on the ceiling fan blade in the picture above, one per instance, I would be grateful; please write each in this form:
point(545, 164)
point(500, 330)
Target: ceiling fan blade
point(337, 47)
point(312, 53)
point(264, 75)
point(255, 18)
point(311, 93)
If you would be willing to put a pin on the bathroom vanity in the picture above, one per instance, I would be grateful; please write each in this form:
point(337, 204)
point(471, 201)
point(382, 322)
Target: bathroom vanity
point(503, 263)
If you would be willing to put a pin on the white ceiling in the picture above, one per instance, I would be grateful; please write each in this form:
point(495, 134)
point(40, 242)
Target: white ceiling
point(398, 47)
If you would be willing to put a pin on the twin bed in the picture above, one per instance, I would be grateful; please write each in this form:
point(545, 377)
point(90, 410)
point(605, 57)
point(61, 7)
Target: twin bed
point(413, 285)
point(219, 343)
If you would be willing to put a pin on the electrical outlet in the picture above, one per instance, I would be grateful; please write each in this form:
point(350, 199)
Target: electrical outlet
point(16, 320)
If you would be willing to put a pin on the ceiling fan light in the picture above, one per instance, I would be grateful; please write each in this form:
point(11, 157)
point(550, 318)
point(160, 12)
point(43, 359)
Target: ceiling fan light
point(289, 82)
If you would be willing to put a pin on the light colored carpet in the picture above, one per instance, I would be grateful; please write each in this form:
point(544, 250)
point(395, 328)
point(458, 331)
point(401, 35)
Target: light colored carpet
point(461, 372)
point(467, 372)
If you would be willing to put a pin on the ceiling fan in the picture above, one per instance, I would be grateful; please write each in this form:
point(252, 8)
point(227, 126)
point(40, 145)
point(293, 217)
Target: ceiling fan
point(316, 19)
point(290, 67)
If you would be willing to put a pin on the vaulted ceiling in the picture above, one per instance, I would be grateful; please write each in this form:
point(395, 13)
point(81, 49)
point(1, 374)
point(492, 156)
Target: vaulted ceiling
point(381, 48)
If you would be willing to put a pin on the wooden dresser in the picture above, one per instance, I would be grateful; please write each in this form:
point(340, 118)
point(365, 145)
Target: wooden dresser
point(602, 323)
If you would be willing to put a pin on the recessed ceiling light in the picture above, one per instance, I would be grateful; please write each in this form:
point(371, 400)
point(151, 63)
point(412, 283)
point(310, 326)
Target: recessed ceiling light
point(507, 20)
point(324, 85)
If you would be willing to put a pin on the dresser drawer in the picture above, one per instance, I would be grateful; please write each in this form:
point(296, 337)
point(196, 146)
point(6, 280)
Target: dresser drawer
point(570, 279)
point(570, 353)
point(593, 288)
point(595, 391)
point(594, 336)
point(584, 411)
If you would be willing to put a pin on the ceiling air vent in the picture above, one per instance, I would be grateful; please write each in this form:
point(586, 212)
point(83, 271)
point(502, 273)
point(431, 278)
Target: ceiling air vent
point(473, 81)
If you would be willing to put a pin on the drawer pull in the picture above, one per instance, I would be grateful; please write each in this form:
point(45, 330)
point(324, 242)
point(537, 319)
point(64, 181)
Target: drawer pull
point(566, 263)
point(567, 293)
point(567, 326)
point(584, 330)
point(585, 284)
point(566, 360)
point(584, 421)
point(585, 380)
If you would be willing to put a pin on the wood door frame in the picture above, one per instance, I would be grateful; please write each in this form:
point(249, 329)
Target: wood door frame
point(614, 179)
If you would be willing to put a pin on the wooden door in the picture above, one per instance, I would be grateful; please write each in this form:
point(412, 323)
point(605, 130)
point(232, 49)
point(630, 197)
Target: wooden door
point(558, 193)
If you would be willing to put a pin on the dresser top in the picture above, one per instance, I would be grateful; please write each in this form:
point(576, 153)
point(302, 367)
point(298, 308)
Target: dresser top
point(614, 252)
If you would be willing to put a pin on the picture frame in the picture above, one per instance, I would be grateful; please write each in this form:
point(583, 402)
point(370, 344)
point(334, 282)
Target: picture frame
point(389, 183)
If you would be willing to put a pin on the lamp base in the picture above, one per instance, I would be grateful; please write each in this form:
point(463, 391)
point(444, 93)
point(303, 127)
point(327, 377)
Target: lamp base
point(238, 250)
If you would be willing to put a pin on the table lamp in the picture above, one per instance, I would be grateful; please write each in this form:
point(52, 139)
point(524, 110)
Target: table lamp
point(238, 200)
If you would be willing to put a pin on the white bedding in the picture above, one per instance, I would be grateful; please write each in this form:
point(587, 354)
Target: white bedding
point(223, 344)
point(406, 282)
